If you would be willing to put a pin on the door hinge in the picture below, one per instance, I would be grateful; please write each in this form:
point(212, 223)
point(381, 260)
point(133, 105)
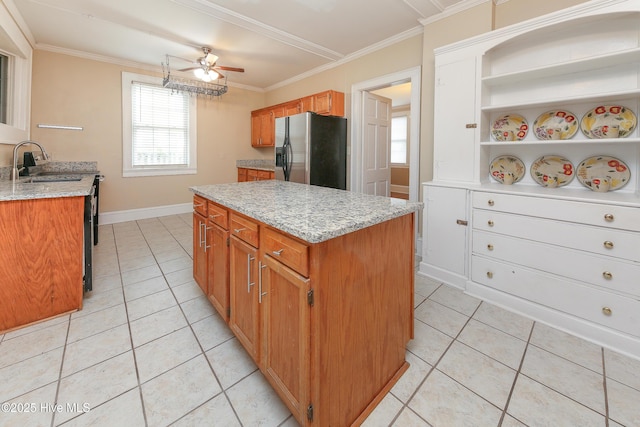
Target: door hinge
point(310, 297)
point(310, 412)
point(228, 242)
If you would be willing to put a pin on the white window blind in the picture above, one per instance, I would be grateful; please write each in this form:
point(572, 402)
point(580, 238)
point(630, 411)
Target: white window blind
point(160, 126)
point(399, 139)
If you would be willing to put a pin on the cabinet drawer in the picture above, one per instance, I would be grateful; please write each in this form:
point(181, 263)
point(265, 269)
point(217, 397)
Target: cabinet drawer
point(218, 215)
point(200, 205)
point(601, 307)
point(600, 240)
point(264, 175)
point(620, 217)
point(245, 229)
point(287, 250)
point(606, 272)
point(252, 175)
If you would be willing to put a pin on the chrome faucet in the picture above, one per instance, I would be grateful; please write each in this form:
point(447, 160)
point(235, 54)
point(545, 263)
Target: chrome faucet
point(15, 172)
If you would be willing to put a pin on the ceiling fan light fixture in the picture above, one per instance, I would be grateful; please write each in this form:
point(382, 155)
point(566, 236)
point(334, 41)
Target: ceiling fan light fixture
point(199, 73)
point(213, 75)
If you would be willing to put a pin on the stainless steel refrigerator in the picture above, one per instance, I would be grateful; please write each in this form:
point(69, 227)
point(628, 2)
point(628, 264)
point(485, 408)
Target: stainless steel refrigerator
point(312, 149)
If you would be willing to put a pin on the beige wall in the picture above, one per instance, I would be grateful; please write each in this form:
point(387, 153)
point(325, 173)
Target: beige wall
point(79, 92)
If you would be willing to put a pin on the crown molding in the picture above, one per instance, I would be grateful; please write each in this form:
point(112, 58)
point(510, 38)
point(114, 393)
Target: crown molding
point(452, 10)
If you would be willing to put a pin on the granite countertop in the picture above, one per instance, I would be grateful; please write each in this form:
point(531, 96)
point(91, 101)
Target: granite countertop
point(53, 182)
point(313, 214)
point(261, 164)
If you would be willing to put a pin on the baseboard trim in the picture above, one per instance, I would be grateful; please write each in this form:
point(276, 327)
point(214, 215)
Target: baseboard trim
point(144, 213)
point(394, 188)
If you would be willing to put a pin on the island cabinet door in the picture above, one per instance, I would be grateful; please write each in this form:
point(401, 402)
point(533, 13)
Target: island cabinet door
point(243, 300)
point(218, 269)
point(200, 250)
point(286, 309)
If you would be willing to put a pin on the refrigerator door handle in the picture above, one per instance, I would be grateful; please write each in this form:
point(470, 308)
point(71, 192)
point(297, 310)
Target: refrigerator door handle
point(288, 162)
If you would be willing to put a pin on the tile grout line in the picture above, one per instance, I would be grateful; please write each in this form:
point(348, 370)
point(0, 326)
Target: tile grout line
point(515, 378)
point(604, 388)
point(59, 381)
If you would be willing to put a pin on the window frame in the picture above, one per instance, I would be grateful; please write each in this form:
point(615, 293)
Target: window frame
point(128, 170)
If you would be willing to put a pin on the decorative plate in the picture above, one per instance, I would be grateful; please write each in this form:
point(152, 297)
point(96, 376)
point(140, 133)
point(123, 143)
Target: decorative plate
point(595, 169)
point(507, 169)
point(556, 124)
point(512, 127)
point(608, 121)
point(552, 171)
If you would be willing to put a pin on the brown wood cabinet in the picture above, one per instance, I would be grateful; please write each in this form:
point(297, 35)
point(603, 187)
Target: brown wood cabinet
point(200, 242)
point(328, 103)
point(41, 259)
point(246, 174)
point(218, 259)
point(327, 323)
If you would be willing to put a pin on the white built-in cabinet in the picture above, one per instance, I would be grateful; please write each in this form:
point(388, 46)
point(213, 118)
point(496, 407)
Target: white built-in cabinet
point(567, 256)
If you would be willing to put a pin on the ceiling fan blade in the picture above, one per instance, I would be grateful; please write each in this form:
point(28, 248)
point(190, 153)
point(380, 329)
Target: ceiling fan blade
point(189, 69)
point(222, 67)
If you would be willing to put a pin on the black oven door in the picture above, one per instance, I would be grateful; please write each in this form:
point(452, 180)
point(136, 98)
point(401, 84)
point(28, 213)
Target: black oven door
point(89, 202)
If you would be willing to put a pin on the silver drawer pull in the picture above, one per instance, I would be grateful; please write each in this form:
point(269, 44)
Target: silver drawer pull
point(278, 253)
point(607, 311)
point(490, 202)
point(490, 223)
point(214, 216)
point(489, 275)
point(608, 244)
point(607, 275)
point(608, 217)
point(238, 230)
point(490, 246)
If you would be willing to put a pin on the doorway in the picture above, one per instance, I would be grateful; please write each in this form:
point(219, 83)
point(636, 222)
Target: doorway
point(358, 154)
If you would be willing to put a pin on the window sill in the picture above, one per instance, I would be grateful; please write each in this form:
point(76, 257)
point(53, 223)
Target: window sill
point(158, 172)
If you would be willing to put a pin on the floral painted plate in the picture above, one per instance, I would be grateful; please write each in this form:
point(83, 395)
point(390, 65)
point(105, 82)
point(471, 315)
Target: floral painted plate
point(592, 171)
point(507, 169)
point(512, 127)
point(608, 121)
point(552, 171)
point(556, 124)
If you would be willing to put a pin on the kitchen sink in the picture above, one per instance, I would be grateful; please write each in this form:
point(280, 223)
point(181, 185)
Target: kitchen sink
point(35, 180)
point(58, 173)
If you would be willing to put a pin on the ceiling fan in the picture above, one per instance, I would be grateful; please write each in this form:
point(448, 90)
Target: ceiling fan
point(206, 69)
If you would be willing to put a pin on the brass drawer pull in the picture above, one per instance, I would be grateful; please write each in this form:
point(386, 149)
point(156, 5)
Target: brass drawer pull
point(489, 275)
point(607, 275)
point(490, 246)
point(608, 244)
point(490, 223)
point(490, 202)
point(608, 217)
point(607, 311)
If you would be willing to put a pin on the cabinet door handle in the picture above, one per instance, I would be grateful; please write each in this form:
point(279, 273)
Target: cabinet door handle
point(608, 244)
point(607, 275)
point(278, 253)
point(238, 230)
point(490, 223)
point(205, 236)
point(490, 202)
point(490, 246)
point(249, 282)
point(200, 239)
point(607, 311)
point(462, 222)
point(198, 205)
point(213, 216)
point(260, 293)
point(609, 217)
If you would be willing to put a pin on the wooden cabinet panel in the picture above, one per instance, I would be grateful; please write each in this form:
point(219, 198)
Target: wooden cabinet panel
point(41, 259)
point(285, 334)
point(218, 215)
point(200, 205)
point(287, 250)
point(292, 108)
point(329, 103)
point(218, 270)
point(244, 319)
point(200, 251)
point(242, 175)
point(245, 229)
point(254, 174)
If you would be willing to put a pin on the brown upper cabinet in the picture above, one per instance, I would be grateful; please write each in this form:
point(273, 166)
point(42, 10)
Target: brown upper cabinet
point(263, 121)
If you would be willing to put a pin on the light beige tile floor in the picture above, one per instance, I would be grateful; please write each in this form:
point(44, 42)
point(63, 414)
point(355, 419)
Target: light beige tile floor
point(148, 349)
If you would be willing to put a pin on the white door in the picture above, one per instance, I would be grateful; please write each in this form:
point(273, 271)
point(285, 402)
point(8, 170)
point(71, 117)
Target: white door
point(376, 145)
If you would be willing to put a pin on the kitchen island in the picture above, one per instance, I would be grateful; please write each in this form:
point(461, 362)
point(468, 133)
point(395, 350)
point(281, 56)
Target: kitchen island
point(317, 285)
point(42, 225)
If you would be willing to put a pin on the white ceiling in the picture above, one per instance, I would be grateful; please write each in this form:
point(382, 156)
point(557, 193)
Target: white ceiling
point(273, 40)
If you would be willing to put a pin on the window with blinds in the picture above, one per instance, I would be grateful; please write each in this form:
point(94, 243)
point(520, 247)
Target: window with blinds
point(158, 128)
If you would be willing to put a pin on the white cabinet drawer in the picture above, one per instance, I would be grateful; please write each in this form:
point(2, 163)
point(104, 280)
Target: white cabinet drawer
point(606, 272)
point(602, 307)
point(621, 217)
point(600, 240)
